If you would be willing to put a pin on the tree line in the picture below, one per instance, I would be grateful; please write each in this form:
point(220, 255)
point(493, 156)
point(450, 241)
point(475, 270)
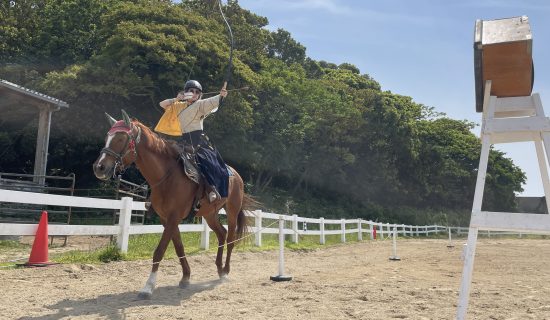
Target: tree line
point(312, 136)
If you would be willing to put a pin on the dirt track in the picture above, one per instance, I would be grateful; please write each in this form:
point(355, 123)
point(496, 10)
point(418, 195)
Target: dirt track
point(351, 281)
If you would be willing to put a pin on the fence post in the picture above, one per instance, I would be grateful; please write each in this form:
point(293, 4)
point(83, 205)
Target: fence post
point(124, 219)
point(322, 229)
point(295, 228)
point(450, 245)
point(205, 235)
point(343, 227)
point(258, 224)
point(371, 230)
point(359, 230)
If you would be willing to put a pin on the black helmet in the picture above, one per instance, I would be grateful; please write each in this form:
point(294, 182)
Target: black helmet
point(192, 84)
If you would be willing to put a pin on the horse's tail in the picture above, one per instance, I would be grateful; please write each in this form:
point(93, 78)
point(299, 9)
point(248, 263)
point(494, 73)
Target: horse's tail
point(242, 225)
point(249, 203)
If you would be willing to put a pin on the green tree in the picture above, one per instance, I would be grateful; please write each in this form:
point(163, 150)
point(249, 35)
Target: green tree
point(321, 133)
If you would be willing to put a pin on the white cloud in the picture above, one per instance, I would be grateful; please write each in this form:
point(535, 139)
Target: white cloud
point(337, 7)
point(503, 4)
point(331, 6)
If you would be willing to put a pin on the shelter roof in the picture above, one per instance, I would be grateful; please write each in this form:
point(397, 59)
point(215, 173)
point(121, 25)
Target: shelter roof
point(6, 85)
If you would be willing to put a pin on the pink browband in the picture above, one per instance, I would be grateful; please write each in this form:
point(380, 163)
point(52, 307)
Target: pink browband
point(119, 126)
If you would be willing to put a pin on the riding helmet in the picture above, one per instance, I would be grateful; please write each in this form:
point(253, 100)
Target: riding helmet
point(192, 84)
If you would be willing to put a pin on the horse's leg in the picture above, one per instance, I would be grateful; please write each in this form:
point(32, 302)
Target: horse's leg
point(170, 227)
point(232, 213)
point(216, 226)
point(180, 251)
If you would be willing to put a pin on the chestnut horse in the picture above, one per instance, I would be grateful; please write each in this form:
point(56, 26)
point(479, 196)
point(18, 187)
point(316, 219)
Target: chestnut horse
point(172, 192)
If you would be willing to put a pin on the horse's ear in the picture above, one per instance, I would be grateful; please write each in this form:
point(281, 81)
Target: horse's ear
point(111, 120)
point(125, 117)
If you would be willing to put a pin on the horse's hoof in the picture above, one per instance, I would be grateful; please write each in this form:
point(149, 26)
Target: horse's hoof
point(224, 276)
point(144, 295)
point(184, 284)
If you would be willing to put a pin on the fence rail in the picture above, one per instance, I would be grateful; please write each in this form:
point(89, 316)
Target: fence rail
point(294, 225)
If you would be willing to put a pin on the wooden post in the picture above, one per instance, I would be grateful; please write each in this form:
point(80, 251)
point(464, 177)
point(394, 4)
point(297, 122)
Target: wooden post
point(371, 230)
point(258, 224)
point(359, 230)
point(322, 229)
point(42, 141)
point(343, 227)
point(205, 235)
point(124, 224)
point(295, 235)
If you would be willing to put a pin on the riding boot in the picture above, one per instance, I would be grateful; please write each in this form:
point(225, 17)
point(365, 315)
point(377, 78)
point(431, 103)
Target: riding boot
point(213, 195)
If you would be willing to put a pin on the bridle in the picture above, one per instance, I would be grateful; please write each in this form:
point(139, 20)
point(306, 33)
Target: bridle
point(129, 146)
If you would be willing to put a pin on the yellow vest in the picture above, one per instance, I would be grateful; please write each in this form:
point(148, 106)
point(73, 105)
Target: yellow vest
point(169, 123)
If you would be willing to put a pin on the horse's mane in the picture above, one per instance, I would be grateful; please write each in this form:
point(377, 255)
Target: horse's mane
point(159, 144)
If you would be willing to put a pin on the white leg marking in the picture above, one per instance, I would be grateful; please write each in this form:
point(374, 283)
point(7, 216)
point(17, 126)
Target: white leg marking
point(147, 290)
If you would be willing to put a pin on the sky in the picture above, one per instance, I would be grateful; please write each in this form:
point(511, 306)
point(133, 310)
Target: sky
point(418, 48)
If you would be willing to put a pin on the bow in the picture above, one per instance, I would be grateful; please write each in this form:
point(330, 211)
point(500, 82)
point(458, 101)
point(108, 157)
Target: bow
point(230, 63)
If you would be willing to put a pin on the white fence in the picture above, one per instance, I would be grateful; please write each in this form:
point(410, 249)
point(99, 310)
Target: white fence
point(297, 225)
point(463, 231)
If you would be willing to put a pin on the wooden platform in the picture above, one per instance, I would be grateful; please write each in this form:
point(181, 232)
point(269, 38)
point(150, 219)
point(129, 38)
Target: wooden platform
point(503, 54)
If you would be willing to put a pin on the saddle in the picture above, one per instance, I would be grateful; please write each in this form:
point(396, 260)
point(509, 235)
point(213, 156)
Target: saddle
point(190, 166)
point(191, 169)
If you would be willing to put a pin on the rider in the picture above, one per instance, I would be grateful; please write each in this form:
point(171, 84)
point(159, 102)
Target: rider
point(183, 117)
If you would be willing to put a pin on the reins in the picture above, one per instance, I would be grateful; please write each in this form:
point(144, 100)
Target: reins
point(167, 173)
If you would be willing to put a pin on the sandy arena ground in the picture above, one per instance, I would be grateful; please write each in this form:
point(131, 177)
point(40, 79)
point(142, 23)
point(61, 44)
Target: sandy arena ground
point(349, 281)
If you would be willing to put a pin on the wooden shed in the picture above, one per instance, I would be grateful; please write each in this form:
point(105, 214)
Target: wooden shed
point(15, 100)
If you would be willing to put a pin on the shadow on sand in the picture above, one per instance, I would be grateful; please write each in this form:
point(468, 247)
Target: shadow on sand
point(112, 306)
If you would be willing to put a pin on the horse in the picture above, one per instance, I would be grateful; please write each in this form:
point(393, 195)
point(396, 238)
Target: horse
point(172, 192)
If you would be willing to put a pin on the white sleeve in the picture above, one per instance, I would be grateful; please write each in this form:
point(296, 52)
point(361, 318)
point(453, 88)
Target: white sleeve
point(209, 105)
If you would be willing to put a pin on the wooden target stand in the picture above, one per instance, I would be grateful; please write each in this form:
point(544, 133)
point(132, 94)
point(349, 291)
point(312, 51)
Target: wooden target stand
point(505, 120)
point(504, 80)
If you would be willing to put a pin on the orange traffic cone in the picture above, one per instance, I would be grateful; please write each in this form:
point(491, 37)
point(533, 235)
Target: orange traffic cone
point(39, 252)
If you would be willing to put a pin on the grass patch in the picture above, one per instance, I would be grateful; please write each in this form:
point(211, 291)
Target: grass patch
point(141, 247)
point(111, 253)
point(11, 244)
point(9, 247)
point(106, 254)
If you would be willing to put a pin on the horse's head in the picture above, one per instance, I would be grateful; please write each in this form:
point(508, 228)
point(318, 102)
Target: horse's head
point(120, 147)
